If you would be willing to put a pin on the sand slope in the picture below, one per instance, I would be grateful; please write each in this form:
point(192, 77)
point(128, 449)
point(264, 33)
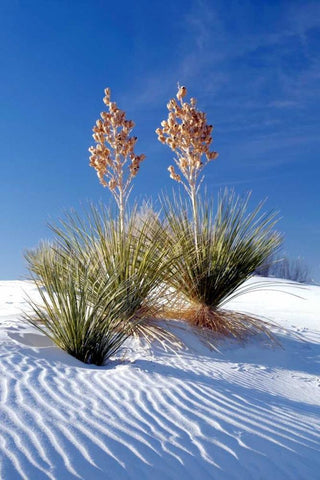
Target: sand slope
point(251, 412)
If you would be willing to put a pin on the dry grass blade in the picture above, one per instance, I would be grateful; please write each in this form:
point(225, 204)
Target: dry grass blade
point(224, 323)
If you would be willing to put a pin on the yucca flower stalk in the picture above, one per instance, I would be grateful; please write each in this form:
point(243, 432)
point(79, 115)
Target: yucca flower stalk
point(189, 136)
point(113, 156)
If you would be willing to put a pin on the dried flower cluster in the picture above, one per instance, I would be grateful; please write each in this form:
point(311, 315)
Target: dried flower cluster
point(113, 150)
point(187, 133)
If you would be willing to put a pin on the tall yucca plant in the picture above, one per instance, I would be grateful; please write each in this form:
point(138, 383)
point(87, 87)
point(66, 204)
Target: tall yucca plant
point(231, 245)
point(209, 257)
point(90, 321)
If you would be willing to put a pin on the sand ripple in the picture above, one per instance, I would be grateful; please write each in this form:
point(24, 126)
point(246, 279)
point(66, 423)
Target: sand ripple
point(160, 416)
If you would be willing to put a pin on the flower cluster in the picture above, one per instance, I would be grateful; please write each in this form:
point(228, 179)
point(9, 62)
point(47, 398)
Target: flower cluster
point(114, 148)
point(187, 133)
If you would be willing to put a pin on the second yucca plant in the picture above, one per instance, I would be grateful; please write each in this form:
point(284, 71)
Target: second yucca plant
point(210, 255)
point(232, 243)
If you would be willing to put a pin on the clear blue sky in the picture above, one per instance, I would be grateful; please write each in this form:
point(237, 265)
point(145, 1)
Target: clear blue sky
point(253, 65)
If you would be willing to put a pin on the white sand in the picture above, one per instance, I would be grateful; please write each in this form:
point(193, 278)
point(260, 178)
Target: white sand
point(251, 412)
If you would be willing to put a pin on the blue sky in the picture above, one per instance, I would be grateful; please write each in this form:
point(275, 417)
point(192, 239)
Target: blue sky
point(254, 67)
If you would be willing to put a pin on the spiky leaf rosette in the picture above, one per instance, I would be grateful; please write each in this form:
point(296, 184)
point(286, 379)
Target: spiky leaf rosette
point(231, 245)
point(90, 321)
point(131, 257)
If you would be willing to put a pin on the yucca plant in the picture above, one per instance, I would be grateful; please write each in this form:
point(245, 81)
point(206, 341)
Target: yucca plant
point(90, 321)
point(209, 256)
point(130, 258)
point(230, 246)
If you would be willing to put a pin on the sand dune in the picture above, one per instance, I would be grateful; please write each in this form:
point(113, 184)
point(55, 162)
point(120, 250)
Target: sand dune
point(248, 412)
